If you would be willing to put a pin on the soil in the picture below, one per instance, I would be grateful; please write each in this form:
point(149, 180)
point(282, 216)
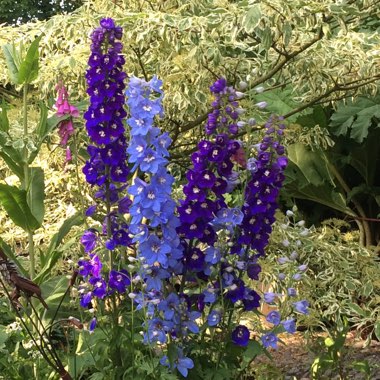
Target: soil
point(293, 361)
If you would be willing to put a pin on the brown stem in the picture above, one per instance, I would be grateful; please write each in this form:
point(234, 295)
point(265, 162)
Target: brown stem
point(363, 221)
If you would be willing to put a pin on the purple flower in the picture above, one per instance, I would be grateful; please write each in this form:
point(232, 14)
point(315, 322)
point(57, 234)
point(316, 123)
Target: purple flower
point(213, 318)
point(273, 317)
point(270, 297)
point(240, 336)
point(301, 306)
point(289, 326)
point(269, 340)
point(119, 281)
point(92, 325)
point(88, 240)
point(251, 300)
point(292, 292)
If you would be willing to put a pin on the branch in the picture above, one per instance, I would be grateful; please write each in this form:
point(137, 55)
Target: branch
point(337, 87)
point(286, 58)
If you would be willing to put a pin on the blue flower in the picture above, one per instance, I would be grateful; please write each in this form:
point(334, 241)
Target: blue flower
point(240, 335)
point(155, 250)
point(169, 306)
point(92, 325)
point(269, 340)
point(301, 306)
point(289, 326)
point(89, 239)
point(183, 364)
point(213, 318)
point(270, 297)
point(273, 317)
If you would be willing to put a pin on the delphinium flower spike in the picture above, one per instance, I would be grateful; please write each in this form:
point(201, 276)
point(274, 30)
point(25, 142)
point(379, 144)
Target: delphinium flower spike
point(106, 167)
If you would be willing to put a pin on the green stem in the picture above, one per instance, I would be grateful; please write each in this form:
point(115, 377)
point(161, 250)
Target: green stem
point(32, 268)
point(79, 183)
point(365, 225)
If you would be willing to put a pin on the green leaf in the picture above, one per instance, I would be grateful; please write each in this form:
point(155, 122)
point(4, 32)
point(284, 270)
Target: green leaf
point(312, 164)
point(362, 366)
point(279, 101)
point(329, 342)
point(296, 186)
point(252, 18)
point(376, 330)
point(53, 254)
point(28, 70)
point(356, 309)
point(15, 204)
point(4, 122)
point(317, 117)
point(11, 59)
point(42, 123)
point(254, 349)
point(355, 118)
point(36, 193)
point(11, 155)
point(364, 157)
point(16, 169)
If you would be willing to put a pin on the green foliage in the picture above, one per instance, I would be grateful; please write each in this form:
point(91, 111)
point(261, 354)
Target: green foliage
point(22, 68)
point(332, 355)
point(355, 118)
point(12, 12)
point(15, 203)
point(342, 280)
point(342, 173)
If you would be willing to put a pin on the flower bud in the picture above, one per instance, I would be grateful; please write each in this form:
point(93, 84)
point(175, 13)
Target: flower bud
point(261, 105)
point(243, 85)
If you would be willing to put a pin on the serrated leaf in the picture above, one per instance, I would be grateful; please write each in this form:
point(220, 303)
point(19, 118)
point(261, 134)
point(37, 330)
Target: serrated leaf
point(355, 118)
point(15, 204)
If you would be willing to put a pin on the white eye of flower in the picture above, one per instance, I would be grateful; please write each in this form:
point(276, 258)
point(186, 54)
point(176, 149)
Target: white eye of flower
point(193, 227)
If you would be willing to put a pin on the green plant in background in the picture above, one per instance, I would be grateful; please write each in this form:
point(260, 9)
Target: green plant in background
point(342, 279)
point(337, 163)
point(24, 204)
point(332, 355)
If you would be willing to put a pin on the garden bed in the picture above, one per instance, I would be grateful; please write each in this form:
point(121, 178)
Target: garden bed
point(294, 360)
